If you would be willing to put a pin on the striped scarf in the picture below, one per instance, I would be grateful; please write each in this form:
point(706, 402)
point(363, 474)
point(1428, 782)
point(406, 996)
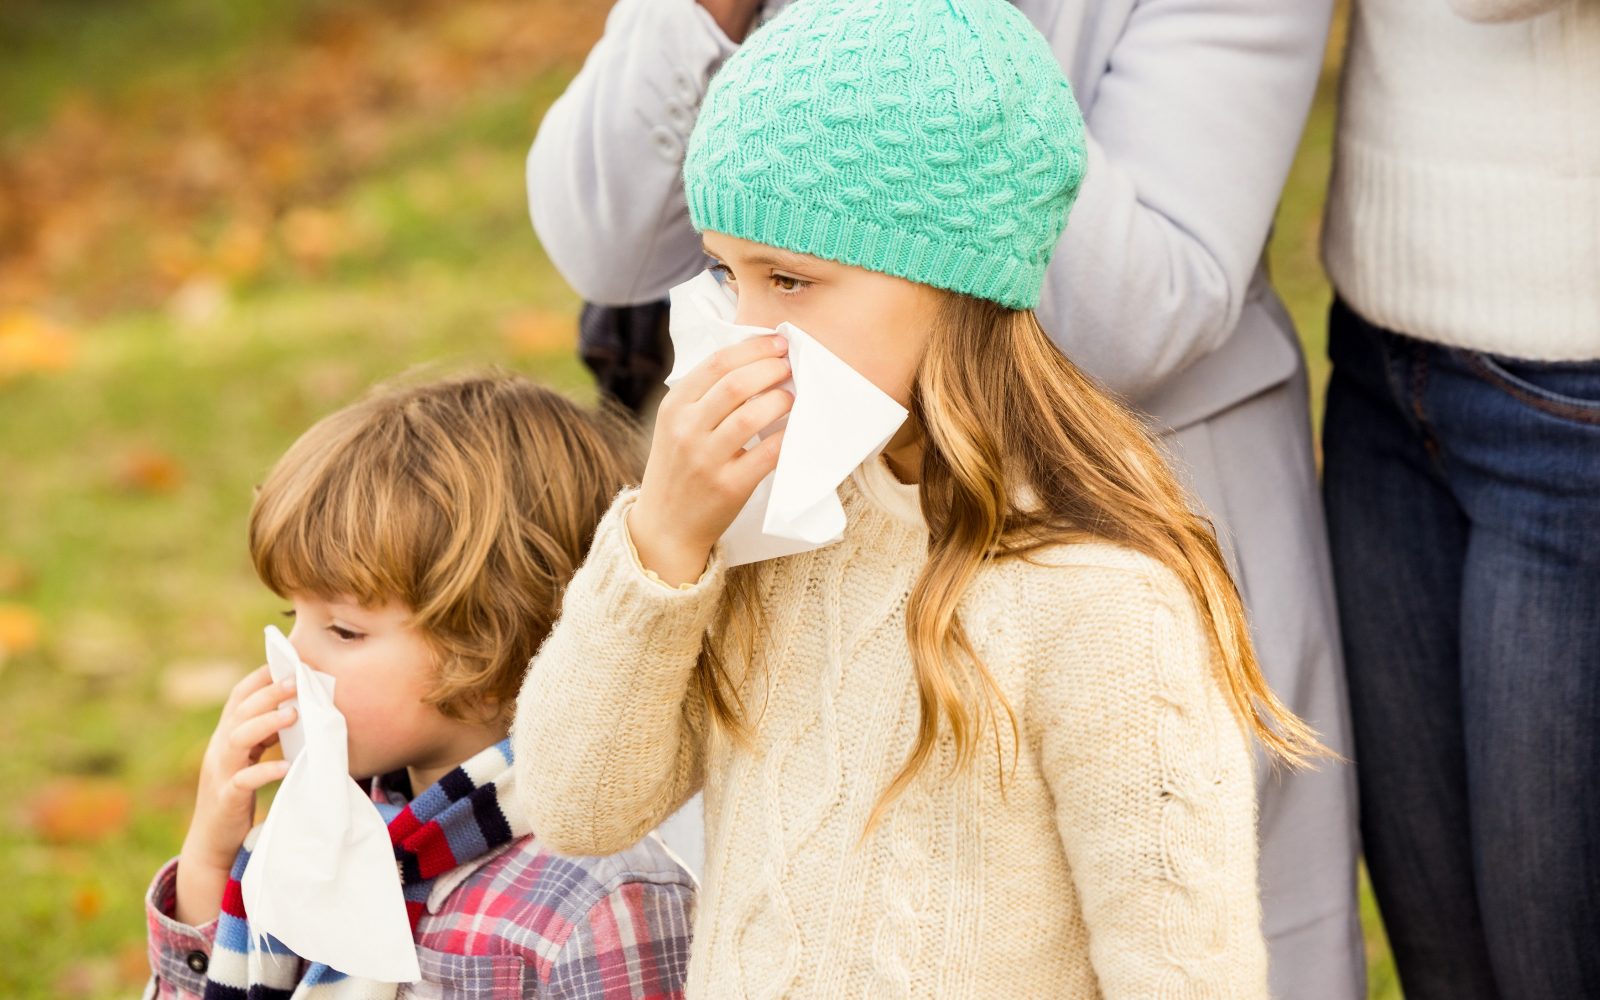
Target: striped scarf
point(458, 819)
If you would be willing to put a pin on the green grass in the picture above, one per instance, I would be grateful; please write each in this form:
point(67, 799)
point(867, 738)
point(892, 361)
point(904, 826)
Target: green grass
point(89, 49)
point(135, 581)
point(1293, 253)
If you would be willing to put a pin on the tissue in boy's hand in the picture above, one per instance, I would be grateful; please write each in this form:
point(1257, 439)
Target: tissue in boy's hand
point(281, 663)
point(322, 877)
point(839, 420)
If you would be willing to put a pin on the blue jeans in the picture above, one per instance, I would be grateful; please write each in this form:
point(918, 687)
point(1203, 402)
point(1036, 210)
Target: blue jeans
point(1463, 500)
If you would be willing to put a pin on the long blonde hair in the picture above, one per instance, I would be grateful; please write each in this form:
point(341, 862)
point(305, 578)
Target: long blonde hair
point(1005, 415)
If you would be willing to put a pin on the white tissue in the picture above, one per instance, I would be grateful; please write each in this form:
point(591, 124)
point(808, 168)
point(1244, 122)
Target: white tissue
point(322, 877)
point(839, 420)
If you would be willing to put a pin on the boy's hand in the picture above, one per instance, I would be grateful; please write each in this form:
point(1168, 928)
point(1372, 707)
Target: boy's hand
point(699, 475)
point(230, 775)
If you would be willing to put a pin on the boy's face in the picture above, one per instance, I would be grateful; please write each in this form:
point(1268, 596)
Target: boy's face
point(384, 668)
point(876, 323)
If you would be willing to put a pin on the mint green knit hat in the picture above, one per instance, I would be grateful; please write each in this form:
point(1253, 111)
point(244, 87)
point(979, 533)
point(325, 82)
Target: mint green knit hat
point(936, 140)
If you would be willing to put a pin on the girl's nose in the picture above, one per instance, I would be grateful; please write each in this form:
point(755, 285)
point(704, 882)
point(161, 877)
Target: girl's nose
point(758, 310)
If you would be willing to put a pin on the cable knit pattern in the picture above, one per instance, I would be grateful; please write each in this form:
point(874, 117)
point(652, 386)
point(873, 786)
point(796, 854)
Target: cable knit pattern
point(936, 140)
point(1119, 862)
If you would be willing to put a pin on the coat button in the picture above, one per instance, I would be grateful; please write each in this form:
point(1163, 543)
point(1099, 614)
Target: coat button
point(680, 116)
point(688, 93)
point(666, 142)
point(197, 961)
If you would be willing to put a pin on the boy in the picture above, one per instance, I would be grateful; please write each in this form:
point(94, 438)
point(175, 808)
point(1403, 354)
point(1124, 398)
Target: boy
point(424, 537)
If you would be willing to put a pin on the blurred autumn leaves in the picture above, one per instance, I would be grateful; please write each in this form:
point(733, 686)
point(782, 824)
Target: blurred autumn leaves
point(198, 256)
point(169, 196)
point(19, 623)
point(29, 342)
point(19, 630)
point(173, 197)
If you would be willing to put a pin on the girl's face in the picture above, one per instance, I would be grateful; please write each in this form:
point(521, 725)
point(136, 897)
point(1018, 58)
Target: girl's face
point(876, 323)
point(383, 668)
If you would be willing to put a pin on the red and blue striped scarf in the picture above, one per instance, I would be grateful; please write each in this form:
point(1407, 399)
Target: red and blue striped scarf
point(460, 818)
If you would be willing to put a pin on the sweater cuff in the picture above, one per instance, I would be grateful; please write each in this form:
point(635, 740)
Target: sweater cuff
point(650, 574)
point(179, 953)
point(618, 581)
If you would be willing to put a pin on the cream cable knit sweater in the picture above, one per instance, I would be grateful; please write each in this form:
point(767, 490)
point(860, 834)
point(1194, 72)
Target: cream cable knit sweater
point(1119, 862)
point(1465, 201)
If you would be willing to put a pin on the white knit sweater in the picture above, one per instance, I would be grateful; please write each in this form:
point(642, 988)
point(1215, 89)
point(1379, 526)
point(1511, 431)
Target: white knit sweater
point(1465, 202)
point(1119, 861)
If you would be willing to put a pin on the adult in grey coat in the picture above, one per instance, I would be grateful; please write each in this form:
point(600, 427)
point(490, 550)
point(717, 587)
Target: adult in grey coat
point(1158, 289)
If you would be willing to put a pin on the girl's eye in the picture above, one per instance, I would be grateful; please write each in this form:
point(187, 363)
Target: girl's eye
point(785, 283)
point(344, 633)
point(289, 613)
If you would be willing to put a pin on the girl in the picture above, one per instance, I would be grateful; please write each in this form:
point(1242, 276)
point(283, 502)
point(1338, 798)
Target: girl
point(995, 741)
point(423, 537)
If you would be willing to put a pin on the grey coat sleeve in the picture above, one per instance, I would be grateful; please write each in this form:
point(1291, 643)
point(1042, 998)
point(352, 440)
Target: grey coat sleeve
point(604, 175)
point(1193, 128)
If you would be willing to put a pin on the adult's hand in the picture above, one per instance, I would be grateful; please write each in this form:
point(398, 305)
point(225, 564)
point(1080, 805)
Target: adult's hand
point(734, 17)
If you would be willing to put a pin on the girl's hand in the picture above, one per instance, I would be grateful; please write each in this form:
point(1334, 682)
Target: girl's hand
point(230, 775)
point(699, 475)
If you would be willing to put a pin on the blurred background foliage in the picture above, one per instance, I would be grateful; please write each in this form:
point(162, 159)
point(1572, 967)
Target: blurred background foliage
point(218, 222)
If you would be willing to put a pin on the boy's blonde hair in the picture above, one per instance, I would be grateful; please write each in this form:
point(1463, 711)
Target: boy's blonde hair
point(472, 500)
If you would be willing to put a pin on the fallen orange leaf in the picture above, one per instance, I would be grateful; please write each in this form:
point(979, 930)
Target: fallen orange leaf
point(79, 810)
point(175, 255)
point(88, 902)
point(30, 343)
point(150, 471)
point(14, 575)
point(241, 249)
point(311, 235)
point(19, 629)
point(539, 331)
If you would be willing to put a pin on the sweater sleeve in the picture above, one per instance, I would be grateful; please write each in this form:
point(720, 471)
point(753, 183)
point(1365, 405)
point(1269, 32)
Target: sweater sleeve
point(608, 732)
point(1151, 776)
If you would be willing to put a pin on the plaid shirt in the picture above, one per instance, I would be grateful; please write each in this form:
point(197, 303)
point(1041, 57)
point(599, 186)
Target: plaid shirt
point(518, 922)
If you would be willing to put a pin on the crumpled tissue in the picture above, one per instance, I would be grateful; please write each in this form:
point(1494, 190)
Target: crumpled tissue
point(322, 877)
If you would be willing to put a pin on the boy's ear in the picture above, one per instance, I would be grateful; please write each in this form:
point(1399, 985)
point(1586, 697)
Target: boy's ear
point(495, 710)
